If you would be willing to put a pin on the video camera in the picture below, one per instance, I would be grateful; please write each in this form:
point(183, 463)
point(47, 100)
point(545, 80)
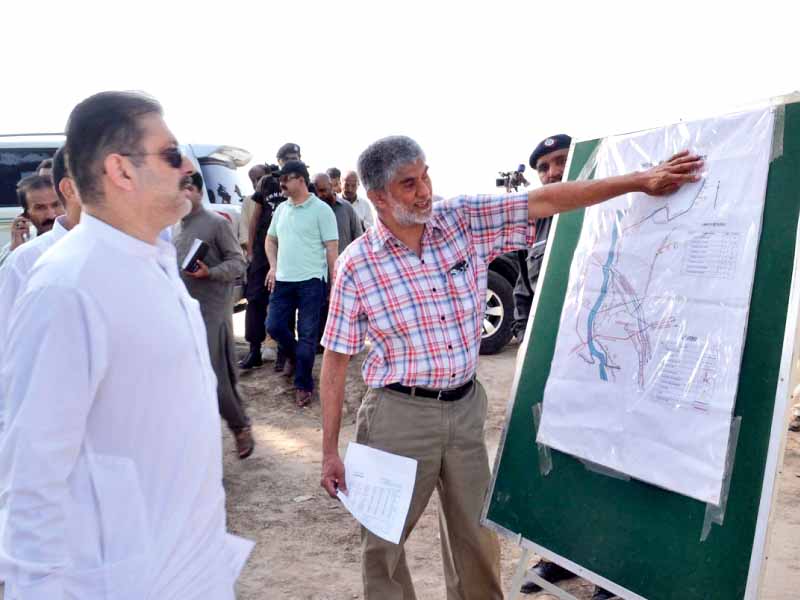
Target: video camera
point(511, 180)
point(268, 186)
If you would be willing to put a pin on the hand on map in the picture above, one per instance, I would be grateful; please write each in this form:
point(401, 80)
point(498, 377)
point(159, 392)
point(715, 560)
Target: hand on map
point(667, 177)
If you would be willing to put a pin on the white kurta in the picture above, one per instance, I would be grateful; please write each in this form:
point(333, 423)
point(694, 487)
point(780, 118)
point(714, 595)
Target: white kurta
point(13, 274)
point(111, 463)
point(364, 210)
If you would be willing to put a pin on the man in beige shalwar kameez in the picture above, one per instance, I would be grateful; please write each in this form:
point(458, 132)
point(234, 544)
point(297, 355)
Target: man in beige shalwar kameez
point(212, 286)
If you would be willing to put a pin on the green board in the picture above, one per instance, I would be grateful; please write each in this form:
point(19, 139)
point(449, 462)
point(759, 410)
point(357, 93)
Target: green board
point(642, 538)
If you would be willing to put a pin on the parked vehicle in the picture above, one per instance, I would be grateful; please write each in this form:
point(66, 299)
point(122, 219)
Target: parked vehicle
point(499, 316)
point(226, 185)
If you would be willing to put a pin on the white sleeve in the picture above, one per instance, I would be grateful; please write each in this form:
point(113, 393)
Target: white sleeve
point(369, 213)
point(10, 282)
point(55, 358)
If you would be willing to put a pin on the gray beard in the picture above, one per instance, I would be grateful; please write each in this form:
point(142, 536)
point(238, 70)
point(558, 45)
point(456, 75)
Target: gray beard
point(407, 218)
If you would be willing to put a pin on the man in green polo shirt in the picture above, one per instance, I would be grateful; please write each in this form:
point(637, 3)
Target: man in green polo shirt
point(302, 248)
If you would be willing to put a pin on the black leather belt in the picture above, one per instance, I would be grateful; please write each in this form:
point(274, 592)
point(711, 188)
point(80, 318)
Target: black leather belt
point(443, 395)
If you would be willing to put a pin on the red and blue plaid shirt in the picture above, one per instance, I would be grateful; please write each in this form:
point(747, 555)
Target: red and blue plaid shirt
point(423, 314)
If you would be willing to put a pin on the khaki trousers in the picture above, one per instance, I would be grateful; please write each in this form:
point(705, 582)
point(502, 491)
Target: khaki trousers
point(446, 439)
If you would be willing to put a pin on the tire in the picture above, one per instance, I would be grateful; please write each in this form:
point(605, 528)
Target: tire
point(499, 317)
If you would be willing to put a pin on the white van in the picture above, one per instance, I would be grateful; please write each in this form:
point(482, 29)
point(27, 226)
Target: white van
point(226, 185)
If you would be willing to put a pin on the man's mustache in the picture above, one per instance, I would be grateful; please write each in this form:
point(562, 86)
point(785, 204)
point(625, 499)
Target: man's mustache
point(48, 222)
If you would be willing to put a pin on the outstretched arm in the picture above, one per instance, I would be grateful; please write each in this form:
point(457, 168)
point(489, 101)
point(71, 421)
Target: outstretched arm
point(661, 180)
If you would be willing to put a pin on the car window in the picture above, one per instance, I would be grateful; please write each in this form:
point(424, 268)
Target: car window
point(16, 163)
point(225, 183)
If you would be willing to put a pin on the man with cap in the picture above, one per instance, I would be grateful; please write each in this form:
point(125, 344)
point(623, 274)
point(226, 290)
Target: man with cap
point(258, 222)
point(548, 160)
point(302, 248)
point(289, 151)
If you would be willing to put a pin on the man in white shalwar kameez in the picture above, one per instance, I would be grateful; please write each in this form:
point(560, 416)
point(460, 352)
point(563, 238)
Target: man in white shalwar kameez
point(14, 271)
point(111, 462)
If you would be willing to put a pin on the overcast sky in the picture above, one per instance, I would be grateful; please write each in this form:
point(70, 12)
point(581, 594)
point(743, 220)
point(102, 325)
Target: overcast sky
point(478, 84)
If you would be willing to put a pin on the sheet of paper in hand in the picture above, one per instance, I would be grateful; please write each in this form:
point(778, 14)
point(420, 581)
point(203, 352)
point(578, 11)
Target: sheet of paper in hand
point(379, 488)
point(645, 370)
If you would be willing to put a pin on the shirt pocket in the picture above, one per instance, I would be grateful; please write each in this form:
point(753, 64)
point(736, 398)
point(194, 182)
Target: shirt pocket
point(127, 545)
point(464, 288)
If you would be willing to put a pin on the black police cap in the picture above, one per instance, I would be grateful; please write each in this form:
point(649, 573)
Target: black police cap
point(548, 145)
point(288, 149)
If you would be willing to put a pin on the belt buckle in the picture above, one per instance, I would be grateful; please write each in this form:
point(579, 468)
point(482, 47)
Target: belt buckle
point(439, 395)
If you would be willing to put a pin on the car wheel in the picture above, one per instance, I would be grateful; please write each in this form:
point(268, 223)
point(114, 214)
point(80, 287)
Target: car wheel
point(499, 316)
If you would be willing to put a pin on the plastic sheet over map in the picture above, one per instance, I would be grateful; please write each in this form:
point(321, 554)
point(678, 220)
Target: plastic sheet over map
point(645, 370)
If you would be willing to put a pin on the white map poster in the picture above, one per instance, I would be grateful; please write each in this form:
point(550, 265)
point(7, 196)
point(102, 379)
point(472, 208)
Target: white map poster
point(644, 375)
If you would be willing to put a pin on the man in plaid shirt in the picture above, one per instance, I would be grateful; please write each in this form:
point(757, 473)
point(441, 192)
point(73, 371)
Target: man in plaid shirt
point(416, 284)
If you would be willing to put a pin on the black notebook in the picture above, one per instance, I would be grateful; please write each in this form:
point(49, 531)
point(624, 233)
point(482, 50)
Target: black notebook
point(196, 252)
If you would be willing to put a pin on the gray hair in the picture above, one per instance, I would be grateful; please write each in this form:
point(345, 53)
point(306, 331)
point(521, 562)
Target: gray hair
point(380, 161)
point(323, 176)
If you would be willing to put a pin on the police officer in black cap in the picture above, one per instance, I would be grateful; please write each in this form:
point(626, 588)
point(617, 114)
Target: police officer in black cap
point(549, 160)
point(289, 151)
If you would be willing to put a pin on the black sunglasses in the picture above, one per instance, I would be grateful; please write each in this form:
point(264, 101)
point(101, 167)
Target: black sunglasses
point(172, 156)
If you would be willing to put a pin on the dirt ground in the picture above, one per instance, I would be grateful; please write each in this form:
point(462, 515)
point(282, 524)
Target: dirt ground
point(307, 545)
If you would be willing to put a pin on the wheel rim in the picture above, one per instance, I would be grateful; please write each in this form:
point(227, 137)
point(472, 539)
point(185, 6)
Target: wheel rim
point(493, 317)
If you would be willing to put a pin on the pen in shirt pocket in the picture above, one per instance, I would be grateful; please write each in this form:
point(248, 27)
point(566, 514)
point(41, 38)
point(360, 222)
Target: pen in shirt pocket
point(459, 267)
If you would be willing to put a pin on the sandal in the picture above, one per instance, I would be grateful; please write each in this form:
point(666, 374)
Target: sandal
point(302, 398)
point(245, 444)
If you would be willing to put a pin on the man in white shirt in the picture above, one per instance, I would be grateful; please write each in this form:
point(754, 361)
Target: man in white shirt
point(362, 206)
point(40, 207)
point(111, 461)
point(15, 270)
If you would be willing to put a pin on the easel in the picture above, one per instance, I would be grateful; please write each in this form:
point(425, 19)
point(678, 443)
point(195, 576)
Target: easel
point(525, 504)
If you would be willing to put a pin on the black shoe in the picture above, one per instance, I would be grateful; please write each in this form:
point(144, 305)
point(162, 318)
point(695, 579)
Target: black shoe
point(601, 594)
point(548, 571)
point(280, 362)
point(252, 360)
